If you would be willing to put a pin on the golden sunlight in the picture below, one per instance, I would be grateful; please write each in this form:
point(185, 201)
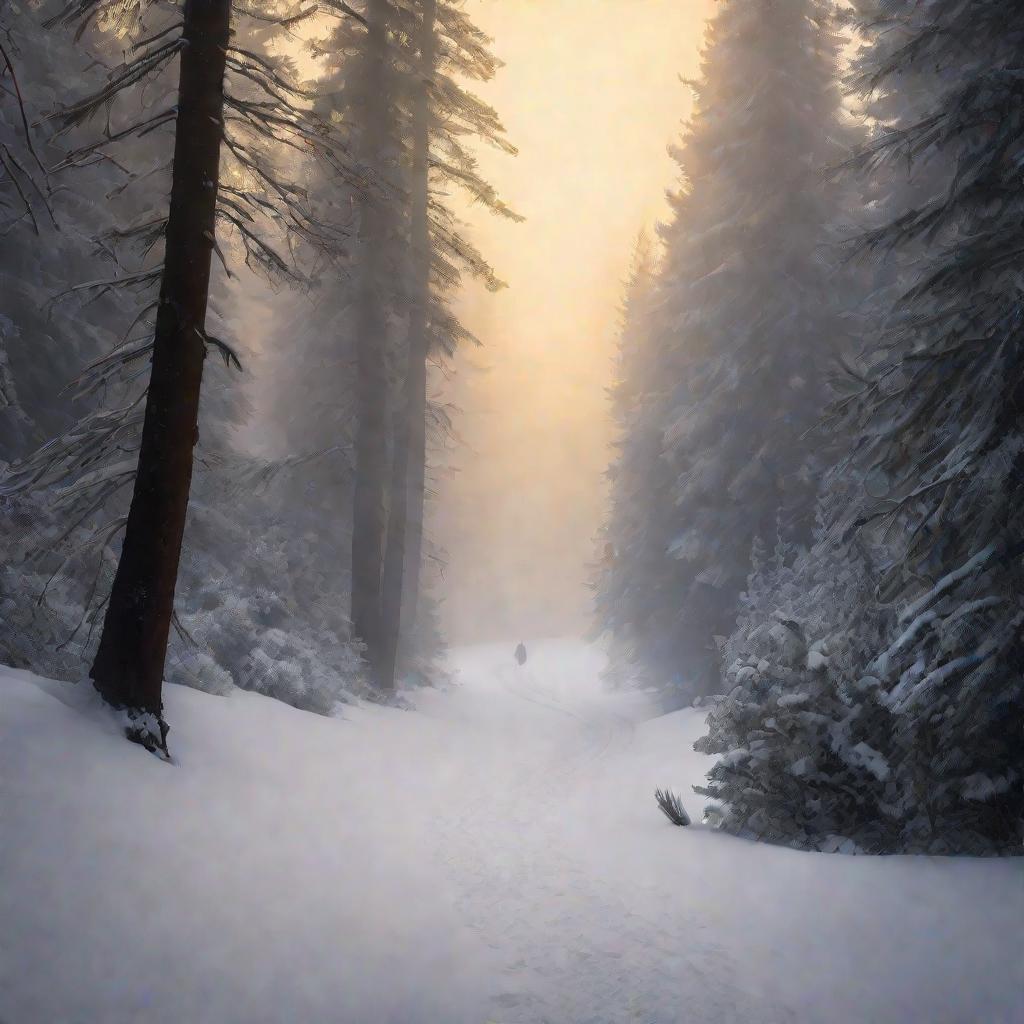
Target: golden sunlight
point(591, 95)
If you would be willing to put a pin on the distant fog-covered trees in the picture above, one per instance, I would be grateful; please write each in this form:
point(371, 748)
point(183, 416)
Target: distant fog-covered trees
point(725, 350)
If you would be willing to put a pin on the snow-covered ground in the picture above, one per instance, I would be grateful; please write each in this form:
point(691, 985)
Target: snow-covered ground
point(495, 856)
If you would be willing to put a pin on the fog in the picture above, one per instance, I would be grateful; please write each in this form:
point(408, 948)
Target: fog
point(791, 426)
point(592, 109)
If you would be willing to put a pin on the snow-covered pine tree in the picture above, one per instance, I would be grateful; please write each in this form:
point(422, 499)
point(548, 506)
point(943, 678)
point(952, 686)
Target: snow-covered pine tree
point(903, 702)
point(262, 112)
point(940, 430)
point(745, 320)
point(802, 742)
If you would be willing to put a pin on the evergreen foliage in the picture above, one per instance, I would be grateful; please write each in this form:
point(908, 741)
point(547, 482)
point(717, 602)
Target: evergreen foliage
point(672, 807)
point(802, 739)
point(263, 589)
point(633, 596)
point(886, 715)
point(735, 342)
point(817, 486)
point(69, 495)
point(384, 89)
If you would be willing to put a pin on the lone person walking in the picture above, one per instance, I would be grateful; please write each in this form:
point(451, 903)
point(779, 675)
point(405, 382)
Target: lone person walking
point(521, 654)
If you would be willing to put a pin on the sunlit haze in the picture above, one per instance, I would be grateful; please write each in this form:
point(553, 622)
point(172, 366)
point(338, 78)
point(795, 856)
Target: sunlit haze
point(591, 96)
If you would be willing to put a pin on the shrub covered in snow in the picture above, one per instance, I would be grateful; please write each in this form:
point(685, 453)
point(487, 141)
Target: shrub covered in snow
point(244, 618)
point(802, 738)
point(257, 602)
point(847, 725)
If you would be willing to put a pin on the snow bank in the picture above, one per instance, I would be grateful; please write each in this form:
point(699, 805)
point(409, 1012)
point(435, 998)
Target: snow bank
point(277, 872)
point(495, 856)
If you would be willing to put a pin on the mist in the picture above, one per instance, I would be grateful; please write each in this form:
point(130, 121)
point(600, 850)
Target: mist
point(511, 511)
point(592, 111)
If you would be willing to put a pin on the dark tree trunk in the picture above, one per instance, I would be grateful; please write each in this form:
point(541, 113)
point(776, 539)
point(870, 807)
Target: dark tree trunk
point(371, 439)
point(129, 665)
point(417, 500)
point(405, 524)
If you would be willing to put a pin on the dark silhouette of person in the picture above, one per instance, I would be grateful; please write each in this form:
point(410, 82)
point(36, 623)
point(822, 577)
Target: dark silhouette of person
point(521, 654)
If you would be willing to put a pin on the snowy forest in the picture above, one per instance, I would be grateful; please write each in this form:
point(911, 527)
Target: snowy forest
point(428, 609)
point(813, 505)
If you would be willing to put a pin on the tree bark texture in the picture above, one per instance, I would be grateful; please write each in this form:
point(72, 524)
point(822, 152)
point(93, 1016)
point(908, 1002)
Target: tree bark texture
point(129, 664)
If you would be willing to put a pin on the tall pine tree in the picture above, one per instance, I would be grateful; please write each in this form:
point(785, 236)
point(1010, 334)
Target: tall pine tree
point(939, 423)
point(405, 519)
point(877, 687)
point(261, 112)
point(743, 324)
point(447, 51)
point(129, 665)
point(377, 143)
point(634, 596)
point(396, 84)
